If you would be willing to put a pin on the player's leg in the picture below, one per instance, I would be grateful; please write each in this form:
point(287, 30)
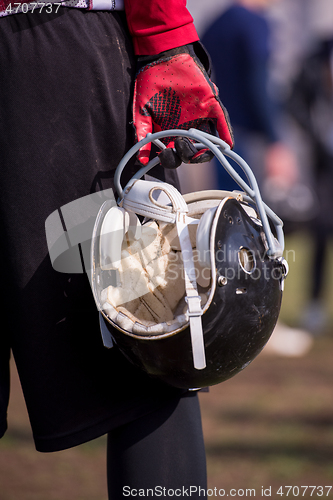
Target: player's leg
point(164, 449)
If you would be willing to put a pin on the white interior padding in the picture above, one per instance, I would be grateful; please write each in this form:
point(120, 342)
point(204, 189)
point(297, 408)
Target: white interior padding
point(150, 296)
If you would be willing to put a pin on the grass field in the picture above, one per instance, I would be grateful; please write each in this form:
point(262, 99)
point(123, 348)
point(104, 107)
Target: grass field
point(269, 427)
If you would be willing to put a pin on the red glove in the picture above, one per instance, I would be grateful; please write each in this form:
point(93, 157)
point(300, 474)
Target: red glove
point(175, 91)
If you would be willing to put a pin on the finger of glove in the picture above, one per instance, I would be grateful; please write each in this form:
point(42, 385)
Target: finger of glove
point(143, 125)
point(144, 154)
point(202, 156)
point(188, 153)
point(185, 149)
point(169, 159)
point(220, 114)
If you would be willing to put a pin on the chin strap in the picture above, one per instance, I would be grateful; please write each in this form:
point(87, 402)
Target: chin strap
point(163, 202)
point(193, 299)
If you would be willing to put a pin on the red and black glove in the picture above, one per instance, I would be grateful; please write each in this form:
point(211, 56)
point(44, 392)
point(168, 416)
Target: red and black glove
point(175, 91)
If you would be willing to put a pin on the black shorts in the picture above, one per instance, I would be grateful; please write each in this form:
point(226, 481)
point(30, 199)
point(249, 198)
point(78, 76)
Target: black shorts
point(65, 104)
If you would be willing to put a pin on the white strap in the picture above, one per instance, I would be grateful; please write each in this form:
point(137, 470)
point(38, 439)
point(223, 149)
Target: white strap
point(193, 299)
point(142, 198)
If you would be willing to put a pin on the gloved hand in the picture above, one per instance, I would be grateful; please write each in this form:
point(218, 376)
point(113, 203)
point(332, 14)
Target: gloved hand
point(174, 91)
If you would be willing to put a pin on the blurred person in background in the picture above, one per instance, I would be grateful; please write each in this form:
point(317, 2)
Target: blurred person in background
point(241, 73)
point(311, 105)
point(239, 44)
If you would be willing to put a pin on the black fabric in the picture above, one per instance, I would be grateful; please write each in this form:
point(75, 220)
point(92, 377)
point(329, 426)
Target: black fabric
point(4, 384)
point(161, 455)
point(65, 105)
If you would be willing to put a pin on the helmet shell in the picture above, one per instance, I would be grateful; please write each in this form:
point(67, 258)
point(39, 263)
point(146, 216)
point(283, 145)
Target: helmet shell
point(238, 319)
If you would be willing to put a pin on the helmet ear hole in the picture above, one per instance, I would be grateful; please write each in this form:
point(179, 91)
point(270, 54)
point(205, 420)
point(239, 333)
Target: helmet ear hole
point(246, 260)
point(203, 237)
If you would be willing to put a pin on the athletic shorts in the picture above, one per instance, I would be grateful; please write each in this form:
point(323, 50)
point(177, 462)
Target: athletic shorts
point(65, 103)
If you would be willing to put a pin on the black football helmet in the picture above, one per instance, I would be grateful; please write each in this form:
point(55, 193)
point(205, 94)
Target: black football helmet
point(189, 287)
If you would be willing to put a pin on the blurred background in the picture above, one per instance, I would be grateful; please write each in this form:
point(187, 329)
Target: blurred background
point(272, 425)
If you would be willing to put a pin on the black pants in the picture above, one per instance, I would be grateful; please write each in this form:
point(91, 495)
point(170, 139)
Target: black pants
point(161, 454)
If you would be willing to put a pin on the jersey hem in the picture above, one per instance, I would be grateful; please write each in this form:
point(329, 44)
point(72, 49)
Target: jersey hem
point(66, 441)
